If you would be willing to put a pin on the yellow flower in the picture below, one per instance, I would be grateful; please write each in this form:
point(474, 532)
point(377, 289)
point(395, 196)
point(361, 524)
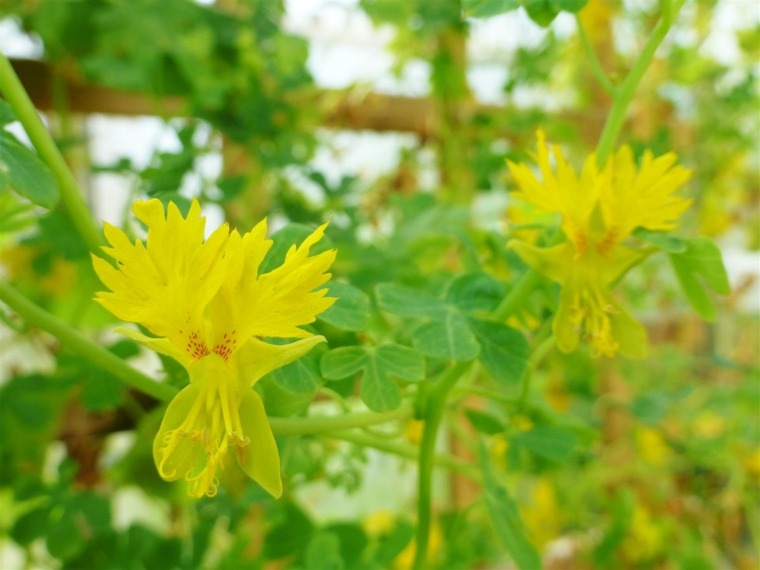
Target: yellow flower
point(652, 447)
point(600, 208)
point(542, 515)
point(208, 307)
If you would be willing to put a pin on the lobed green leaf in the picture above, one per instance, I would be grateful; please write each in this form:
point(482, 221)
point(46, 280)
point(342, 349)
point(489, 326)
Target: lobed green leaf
point(699, 268)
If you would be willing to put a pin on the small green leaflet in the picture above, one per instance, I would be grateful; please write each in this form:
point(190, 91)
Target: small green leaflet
point(699, 268)
point(323, 551)
point(542, 12)
point(550, 442)
point(488, 8)
point(23, 171)
point(407, 302)
point(449, 337)
point(351, 311)
point(7, 115)
point(379, 366)
point(450, 334)
point(484, 422)
point(505, 518)
point(663, 240)
point(568, 5)
point(504, 351)
point(299, 377)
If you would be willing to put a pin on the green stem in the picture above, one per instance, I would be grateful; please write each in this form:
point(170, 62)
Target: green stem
point(408, 451)
point(517, 295)
point(624, 94)
point(434, 408)
point(538, 355)
point(326, 424)
point(13, 91)
point(596, 66)
point(485, 393)
point(77, 342)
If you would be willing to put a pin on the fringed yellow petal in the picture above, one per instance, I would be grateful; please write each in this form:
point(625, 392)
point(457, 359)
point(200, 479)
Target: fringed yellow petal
point(559, 190)
point(643, 197)
point(277, 303)
point(259, 459)
point(174, 453)
point(167, 285)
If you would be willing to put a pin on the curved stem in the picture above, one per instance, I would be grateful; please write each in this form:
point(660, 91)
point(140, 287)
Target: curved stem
point(596, 66)
point(77, 209)
point(624, 94)
point(325, 424)
point(516, 297)
point(79, 343)
point(434, 408)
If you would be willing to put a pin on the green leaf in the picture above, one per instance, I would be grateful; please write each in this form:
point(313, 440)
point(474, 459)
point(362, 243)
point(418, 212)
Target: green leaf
point(488, 8)
point(353, 542)
point(342, 362)
point(505, 518)
point(291, 533)
point(503, 351)
point(378, 391)
point(351, 311)
point(448, 338)
point(30, 526)
point(663, 240)
point(26, 173)
point(379, 366)
point(402, 362)
point(7, 115)
point(573, 6)
point(407, 302)
point(323, 552)
point(299, 377)
point(484, 422)
point(542, 12)
point(698, 268)
point(550, 442)
point(101, 391)
point(475, 292)
point(231, 186)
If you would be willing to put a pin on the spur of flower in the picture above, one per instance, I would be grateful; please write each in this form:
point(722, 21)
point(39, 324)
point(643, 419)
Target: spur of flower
point(600, 208)
point(207, 305)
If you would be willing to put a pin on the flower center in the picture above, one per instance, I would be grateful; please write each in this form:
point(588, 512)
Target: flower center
point(226, 346)
point(198, 446)
point(591, 315)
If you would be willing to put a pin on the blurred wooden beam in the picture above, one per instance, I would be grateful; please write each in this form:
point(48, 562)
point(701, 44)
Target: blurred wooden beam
point(342, 109)
point(37, 78)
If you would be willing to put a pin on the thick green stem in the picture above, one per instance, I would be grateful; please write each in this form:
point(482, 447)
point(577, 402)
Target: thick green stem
point(79, 343)
point(624, 94)
point(13, 91)
point(325, 424)
point(433, 413)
